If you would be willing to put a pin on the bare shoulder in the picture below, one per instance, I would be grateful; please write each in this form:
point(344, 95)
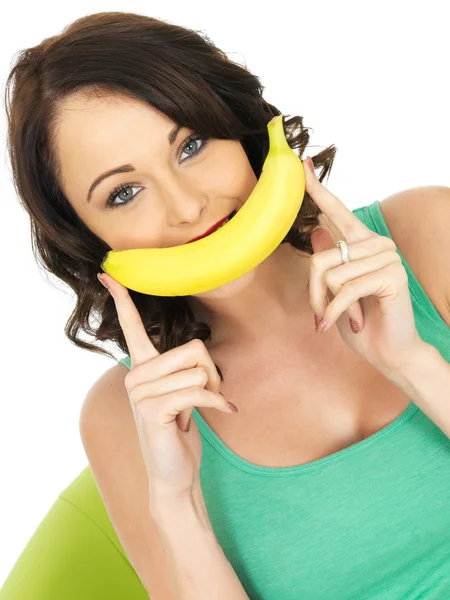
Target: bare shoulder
point(111, 442)
point(417, 220)
point(106, 407)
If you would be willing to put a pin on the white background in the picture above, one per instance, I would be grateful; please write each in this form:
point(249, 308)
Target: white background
point(370, 77)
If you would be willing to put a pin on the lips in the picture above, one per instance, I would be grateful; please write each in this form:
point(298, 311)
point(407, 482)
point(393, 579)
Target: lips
point(211, 229)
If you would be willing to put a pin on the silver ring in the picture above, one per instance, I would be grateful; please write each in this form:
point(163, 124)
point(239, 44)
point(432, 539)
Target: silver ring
point(342, 245)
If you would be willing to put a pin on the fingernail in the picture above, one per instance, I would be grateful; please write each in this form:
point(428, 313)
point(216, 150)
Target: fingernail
point(310, 165)
point(317, 320)
point(99, 276)
point(233, 407)
point(188, 426)
point(354, 326)
point(321, 326)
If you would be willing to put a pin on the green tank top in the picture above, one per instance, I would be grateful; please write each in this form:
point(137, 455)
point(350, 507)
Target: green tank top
point(370, 522)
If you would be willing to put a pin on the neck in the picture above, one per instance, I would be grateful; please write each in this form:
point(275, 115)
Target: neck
point(267, 303)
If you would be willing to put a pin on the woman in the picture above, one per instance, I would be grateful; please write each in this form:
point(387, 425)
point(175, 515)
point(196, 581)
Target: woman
point(329, 481)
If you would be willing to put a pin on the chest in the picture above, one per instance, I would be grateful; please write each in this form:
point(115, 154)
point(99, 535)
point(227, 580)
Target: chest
point(297, 413)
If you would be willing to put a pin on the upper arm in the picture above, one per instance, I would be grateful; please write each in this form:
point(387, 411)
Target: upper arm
point(110, 439)
point(418, 220)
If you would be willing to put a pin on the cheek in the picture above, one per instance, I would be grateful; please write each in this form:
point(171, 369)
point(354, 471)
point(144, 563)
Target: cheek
point(122, 236)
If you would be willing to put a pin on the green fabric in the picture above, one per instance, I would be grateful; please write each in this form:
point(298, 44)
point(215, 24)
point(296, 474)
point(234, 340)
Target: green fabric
point(370, 522)
point(74, 554)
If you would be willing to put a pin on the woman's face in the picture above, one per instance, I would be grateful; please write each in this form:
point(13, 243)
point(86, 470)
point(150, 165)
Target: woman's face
point(172, 192)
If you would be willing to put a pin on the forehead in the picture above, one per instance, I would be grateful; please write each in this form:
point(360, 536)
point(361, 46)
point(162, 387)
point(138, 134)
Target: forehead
point(94, 134)
point(82, 111)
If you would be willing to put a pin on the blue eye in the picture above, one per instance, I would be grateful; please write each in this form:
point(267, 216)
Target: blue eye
point(123, 187)
point(128, 185)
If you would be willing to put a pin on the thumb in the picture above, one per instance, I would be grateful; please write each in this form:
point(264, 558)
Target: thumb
point(321, 240)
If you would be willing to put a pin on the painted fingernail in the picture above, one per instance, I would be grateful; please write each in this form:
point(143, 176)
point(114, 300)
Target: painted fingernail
point(354, 326)
point(233, 407)
point(310, 164)
point(317, 319)
point(100, 278)
point(321, 326)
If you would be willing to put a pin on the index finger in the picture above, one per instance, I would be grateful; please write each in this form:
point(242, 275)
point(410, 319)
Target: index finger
point(140, 346)
point(337, 212)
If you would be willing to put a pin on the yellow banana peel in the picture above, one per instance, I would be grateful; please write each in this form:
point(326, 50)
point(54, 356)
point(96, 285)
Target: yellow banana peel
point(255, 231)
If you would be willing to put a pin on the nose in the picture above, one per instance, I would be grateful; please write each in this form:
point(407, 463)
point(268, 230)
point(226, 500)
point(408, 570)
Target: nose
point(183, 206)
point(188, 212)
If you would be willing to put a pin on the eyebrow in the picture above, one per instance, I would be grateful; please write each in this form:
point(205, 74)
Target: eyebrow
point(126, 168)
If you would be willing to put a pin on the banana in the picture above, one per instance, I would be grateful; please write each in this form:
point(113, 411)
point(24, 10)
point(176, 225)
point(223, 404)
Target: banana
point(244, 242)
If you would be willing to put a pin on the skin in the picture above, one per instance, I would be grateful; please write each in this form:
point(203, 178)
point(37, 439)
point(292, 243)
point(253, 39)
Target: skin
point(176, 199)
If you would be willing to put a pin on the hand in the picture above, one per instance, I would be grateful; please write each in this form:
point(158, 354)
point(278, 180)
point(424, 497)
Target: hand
point(163, 389)
point(372, 288)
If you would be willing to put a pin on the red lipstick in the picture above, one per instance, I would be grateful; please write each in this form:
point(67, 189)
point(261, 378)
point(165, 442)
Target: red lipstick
point(211, 229)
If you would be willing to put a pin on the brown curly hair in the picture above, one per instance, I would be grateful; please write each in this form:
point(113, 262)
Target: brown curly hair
point(181, 73)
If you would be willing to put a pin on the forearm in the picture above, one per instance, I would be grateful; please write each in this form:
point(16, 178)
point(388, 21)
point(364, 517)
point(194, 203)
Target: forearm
point(426, 381)
point(199, 569)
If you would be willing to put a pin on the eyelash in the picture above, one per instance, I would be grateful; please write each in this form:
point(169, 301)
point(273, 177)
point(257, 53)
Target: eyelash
point(124, 186)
